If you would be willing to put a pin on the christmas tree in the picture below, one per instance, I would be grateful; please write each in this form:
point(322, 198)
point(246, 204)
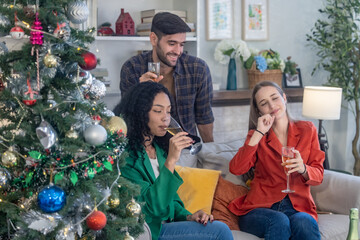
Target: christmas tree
point(60, 148)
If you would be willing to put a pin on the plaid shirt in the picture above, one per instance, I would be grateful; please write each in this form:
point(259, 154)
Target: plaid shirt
point(193, 87)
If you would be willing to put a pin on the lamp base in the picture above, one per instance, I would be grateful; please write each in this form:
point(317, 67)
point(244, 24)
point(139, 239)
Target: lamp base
point(324, 146)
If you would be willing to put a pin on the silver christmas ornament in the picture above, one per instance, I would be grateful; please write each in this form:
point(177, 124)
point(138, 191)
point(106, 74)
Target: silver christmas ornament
point(5, 178)
point(108, 113)
point(86, 78)
point(97, 90)
point(95, 135)
point(46, 134)
point(4, 20)
point(77, 12)
point(41, 222)
point(3, 48)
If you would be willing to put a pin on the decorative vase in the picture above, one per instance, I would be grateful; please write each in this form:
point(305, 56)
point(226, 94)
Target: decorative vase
point(231, 77)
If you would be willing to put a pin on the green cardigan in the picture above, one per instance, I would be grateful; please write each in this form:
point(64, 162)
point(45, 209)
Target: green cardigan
point(162, 203)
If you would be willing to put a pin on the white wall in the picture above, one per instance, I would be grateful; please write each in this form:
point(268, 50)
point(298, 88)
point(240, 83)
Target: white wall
point(289, 22)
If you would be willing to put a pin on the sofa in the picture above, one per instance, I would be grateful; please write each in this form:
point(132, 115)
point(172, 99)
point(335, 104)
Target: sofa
point(334, 197)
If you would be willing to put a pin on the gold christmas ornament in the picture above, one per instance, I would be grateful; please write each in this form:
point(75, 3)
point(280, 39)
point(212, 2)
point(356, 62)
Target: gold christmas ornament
point(9, 159)
point(128, 237)
point(26, 203)
point(113, 201)
point(133, 208)
point(72, 134)
point(87, 237)
point(116, 124)
point(50, 60)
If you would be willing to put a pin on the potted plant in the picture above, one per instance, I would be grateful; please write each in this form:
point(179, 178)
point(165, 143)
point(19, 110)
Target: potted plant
point(336, 38)
point(264, 65)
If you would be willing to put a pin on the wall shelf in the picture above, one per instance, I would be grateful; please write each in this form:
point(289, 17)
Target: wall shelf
point(223, 98)
point(132, 38)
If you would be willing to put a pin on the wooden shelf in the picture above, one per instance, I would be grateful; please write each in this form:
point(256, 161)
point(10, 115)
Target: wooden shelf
point(223, 98)
point(132, 38)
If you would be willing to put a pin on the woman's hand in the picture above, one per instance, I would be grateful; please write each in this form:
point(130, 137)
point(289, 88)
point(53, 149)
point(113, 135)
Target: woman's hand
point(263, 125)
point(200, 217)
point(265, 122)
point(177, 143)
point(150, 76)
point(297, 163)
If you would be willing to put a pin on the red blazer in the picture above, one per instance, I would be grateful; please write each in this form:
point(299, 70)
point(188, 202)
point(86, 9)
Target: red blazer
point(270, 179)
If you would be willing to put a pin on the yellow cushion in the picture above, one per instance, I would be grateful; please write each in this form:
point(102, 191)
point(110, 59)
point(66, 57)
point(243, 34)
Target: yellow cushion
point(197, 191)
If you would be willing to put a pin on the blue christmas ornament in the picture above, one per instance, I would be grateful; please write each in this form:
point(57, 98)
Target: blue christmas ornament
point(51, 199)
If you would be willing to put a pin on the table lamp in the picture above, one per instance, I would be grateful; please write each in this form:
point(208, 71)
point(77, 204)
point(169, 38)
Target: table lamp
point(323, 103)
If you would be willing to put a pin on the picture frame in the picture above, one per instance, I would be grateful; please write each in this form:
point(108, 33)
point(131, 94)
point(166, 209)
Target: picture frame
point(292, 81)
point(219, 19)
point(255, 20)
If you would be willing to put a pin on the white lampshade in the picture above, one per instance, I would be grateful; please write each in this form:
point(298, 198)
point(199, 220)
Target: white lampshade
point(322, 102)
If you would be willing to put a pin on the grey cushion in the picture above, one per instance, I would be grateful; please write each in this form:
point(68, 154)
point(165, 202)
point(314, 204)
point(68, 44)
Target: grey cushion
point(333, 226)
point(218, 155)
point(187, 160)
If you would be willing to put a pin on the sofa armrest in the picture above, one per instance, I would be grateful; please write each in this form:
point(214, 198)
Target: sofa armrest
point(146, 235)
point(338, 192)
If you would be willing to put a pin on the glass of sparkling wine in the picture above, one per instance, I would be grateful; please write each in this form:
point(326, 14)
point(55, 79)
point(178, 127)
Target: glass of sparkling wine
point(154, 67)
point(174, 128)
point(287, 153)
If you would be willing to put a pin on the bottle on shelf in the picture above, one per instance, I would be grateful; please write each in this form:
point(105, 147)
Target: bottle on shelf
point(353, 227)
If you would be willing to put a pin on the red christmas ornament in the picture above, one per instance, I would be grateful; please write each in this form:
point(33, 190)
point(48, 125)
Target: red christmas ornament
point(96, 221)
point(30, 95)
point(90, 61)
point(29, 102)
point(2, 86)
point(17, 32)
point(36, 37)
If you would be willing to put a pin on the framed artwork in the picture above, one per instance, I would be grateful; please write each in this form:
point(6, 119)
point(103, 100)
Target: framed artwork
point(292, 81)
point(255, 20)
point(219, 19)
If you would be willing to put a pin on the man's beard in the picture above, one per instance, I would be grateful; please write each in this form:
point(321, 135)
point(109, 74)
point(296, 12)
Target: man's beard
point(162, 57)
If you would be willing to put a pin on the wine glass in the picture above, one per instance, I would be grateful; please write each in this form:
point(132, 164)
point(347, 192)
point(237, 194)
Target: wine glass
point(154, 67)
point(286, 154)
point(174, 128)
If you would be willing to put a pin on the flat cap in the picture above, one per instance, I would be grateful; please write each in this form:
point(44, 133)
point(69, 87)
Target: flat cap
point(168, 23)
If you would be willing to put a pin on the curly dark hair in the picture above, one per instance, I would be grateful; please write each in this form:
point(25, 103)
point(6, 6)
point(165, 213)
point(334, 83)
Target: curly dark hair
point(134, 108)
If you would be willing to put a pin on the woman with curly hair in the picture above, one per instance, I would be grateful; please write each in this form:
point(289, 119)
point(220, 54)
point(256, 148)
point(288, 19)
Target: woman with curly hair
point(146, 110)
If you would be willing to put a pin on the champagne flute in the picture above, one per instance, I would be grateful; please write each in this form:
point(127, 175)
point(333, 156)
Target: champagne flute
point(154, 67)
point(286, 154)
point(174, 128)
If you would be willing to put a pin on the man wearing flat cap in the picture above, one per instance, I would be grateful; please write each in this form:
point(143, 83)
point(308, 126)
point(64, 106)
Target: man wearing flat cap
point(186, 77)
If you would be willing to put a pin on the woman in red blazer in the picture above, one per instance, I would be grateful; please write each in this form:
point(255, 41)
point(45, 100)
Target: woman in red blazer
point(266, 211)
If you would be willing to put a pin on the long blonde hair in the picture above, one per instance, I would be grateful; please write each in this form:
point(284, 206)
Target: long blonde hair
point(254, 111)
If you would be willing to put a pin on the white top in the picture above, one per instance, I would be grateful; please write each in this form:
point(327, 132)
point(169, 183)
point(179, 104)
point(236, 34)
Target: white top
point(155, 166)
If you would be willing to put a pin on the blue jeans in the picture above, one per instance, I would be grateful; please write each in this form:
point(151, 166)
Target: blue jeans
point(281, 221)
point(190, 230)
